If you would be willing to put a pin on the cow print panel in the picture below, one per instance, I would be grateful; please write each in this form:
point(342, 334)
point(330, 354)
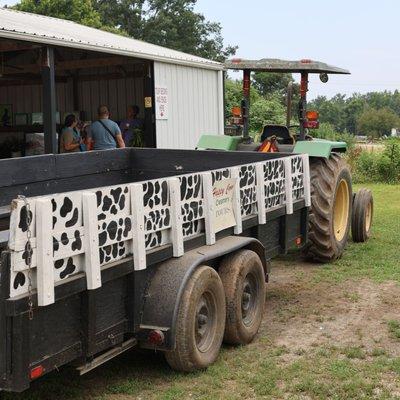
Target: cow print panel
point(19, 282)
point(248, 195)
point(114, 231)
point(156, 194)
point(67, 211)
point(157, 220)
point(67, 243)
point(68, 266)
point(190, 187)
point(112, 202)
point(114, 252)
point(274, 178)
point(297, 178)
point(192, 207)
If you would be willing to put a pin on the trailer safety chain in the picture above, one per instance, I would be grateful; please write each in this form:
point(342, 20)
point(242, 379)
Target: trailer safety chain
point(28, 249)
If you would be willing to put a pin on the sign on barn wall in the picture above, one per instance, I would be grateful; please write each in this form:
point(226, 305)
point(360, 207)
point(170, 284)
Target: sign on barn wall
point(161, 94)
point(223, 193)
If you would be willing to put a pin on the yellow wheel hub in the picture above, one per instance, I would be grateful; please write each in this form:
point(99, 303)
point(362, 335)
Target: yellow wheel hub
point(341, 210)
point(368, 217)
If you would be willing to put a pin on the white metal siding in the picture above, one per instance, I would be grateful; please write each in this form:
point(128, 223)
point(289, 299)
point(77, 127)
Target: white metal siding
point(195, 105)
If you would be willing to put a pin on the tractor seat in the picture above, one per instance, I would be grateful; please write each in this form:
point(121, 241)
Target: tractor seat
point(281, 132)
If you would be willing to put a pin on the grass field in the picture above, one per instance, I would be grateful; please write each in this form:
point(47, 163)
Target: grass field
point(329, 332)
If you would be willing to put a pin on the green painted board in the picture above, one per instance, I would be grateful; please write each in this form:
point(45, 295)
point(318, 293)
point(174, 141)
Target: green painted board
point(218, 142)
point(319, 147)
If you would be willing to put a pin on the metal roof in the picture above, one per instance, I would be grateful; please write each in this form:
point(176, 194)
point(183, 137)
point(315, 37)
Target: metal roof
point(36, 28)
point(276, 65)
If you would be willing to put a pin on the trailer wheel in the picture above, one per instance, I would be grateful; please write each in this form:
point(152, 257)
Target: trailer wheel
point(200, 322)
point(331, 205)
point(363, 209)
point(243, 277)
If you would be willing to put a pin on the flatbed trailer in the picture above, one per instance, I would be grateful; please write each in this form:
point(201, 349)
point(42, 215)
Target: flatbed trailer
point(101, 252)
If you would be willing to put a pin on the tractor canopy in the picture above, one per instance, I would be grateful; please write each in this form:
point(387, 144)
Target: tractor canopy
point(276, 65)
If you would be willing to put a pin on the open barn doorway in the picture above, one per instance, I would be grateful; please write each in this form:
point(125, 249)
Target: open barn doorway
point(41, 85)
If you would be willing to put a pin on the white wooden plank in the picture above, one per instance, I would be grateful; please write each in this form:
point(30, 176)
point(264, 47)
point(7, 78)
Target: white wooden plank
point(209, 207)
point(288, 185)
point(235, 172)
point(306, 179)
point(176, 216)
point(44, 242)
point(260, 190)
point(92, 256)
point(139, 237)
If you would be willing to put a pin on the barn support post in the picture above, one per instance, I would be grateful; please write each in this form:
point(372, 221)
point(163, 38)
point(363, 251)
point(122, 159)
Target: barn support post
point(149, 122)
point(49, 101)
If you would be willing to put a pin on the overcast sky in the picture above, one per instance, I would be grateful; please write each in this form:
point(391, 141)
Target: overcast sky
point(359, 35)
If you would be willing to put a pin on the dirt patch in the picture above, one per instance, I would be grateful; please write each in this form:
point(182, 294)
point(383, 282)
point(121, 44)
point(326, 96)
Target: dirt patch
point(302, 314)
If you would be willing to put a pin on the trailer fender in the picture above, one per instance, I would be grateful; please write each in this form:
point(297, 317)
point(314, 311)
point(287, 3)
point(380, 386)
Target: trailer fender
point(168, 281)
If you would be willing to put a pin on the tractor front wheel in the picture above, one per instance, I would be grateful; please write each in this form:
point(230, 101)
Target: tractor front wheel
point(331, 206)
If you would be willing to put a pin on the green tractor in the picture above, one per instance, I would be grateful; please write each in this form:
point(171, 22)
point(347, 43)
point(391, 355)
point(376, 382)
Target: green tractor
point(334, 209)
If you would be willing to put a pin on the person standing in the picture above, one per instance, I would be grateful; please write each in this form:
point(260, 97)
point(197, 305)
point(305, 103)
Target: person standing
point(129, 124)
point(104, 132)
point(70, 140)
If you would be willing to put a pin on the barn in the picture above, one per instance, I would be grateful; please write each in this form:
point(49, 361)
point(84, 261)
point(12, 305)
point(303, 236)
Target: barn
point(51, 67)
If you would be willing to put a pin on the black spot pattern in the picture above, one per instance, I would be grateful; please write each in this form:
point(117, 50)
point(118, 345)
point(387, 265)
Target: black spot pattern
point(27, 253)
point(274, 178)
point(66, 208)
point(69, 269)
point(77, 243)
point(107, 202)
point(19, 280)
point(248, 195)
point(297, 178)
point(23, 218)
point(73, 220)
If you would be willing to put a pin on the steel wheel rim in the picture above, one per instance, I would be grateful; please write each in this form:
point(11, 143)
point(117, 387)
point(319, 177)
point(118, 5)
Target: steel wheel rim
point(205, 321)
point(341, 210)
point(250, 295)
point(368, 217)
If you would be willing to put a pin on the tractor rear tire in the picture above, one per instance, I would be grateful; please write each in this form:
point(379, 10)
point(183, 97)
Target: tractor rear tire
point(242, 275)
point(331, 207)
point(200, 322)
point(363, 209)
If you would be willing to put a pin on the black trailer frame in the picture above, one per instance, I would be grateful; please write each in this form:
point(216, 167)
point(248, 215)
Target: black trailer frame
point(90, 327)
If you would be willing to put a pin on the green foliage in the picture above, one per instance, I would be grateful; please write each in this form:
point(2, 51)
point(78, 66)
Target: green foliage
point(344, 112)
point(169, 23)
point(376, 123)
point(262, 110)
point(234, 95)
point(268, 83)
point(266, 111)
point(377, 166)
point(328, 131)
point(81, 11)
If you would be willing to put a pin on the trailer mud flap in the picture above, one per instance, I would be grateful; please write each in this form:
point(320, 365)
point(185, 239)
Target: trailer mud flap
point(163, 295)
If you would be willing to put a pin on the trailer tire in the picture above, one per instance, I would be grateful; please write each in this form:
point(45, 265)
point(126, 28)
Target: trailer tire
point(200, 322)
point(331, 206)
point(363, 209)
point(243, 277)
